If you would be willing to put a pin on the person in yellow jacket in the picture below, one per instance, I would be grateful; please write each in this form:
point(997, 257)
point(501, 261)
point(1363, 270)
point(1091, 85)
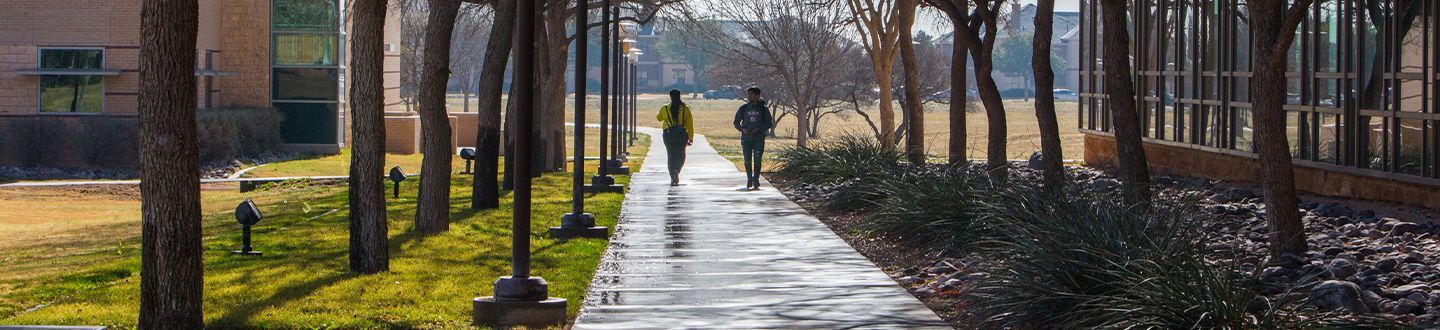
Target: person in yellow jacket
point(679, 132)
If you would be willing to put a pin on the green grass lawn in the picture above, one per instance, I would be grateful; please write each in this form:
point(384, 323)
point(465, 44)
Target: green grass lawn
point(339, 164)
point(302, 281)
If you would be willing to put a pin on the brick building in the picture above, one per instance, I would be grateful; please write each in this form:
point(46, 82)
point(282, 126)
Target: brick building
point(1362, 116)
point(79, 58)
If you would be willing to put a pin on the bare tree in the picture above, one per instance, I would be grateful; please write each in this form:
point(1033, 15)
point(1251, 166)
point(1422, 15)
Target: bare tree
point(432, 213)
point(958, 13)
point(915, 112)
point(369, 243)
point(879, 25)
point(467, 55)
point(981, 44)
point(412, 46)
point(1120, 91)
point(553, 53)
point(1272, 32)
point(786, 46)
point(677, 44)
point(1040, 64)
point(171, 279)
point(485, 190)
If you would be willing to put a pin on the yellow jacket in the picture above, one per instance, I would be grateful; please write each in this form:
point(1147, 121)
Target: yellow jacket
point(685, 119)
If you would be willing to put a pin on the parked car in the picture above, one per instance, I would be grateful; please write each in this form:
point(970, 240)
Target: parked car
point(721, 94)
point(941, 96)
point(1066, 95)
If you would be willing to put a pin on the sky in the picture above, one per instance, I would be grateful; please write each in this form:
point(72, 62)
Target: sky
point(935, 23)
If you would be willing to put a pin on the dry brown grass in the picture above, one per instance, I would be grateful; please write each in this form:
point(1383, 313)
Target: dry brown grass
point(713, 119)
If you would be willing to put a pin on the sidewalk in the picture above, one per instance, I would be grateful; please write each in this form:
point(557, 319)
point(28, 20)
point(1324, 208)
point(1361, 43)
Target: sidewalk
point(709, 255)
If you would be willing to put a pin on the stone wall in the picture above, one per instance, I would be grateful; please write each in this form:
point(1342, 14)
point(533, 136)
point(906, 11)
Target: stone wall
point(1187, 161)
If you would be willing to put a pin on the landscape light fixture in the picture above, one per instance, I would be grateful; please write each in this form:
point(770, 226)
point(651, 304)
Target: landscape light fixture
point(396, 175)
point(468, 154)
point(247, 215)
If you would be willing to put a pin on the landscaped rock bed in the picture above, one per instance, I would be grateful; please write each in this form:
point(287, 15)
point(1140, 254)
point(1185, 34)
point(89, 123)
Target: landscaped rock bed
point(1364, 257)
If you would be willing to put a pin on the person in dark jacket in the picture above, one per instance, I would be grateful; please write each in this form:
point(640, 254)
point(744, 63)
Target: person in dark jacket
point(679, 132)
point(754, 121)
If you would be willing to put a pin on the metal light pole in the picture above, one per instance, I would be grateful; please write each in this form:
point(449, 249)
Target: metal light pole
point(635, 97)
point(521, 299)
point(602, 181)
point(577, 223)
point(616, 164)
point(616, 60)
point(624, 106)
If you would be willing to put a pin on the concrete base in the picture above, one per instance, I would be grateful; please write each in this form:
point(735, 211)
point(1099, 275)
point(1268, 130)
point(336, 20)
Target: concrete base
point(486, 311)
point(622, 170)
point(246, 253)
point(577, 220)
point(593, 189)
point(579, 226)
point(603, 184)
point(580, 232)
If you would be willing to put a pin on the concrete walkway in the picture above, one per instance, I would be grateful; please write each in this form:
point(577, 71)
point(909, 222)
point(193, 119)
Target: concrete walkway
point(709, 255)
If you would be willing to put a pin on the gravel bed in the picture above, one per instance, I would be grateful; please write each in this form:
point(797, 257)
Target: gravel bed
point(1364, 257)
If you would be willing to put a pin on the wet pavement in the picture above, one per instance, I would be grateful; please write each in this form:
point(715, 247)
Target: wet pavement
point(709, 254)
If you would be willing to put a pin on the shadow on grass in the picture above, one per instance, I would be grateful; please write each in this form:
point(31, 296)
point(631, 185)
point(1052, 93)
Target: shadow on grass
point(240, 315)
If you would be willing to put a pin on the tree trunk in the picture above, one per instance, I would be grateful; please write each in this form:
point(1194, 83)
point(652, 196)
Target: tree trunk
point(485, 191)
point(887, 107)
point(171, 279)
point(1277, 173)
point(1050, 153)
point(553, 97)
point(915, 112)
point(995, 158)
point(959, 100)
point(432, 212)
point(1125, 116)
point(369, 243)
point(802, 125)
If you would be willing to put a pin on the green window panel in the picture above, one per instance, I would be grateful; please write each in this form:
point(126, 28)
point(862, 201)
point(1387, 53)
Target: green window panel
point(305, 15)
point(305, 84)
point(307, 49)
point(307, 123)
point(71, 93)
point(71, 58)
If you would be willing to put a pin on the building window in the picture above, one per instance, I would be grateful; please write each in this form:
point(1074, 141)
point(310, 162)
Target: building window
point(71, 93)
point(306, 15)
point(305, 84)
point(306, 47)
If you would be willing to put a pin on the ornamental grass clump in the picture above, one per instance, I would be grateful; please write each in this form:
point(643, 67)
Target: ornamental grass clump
point(847, 158)
point(1089, 260)
point(935, 208)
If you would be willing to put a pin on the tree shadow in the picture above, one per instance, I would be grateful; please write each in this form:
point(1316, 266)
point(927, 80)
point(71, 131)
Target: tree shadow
point(240, 315)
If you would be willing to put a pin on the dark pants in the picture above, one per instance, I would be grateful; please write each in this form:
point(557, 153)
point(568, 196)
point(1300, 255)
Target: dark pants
point(675, 149)
point(753, 147)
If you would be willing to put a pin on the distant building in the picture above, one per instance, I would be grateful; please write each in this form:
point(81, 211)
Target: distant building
point(72, 58)
point(1064, 41)
point(654, 73)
